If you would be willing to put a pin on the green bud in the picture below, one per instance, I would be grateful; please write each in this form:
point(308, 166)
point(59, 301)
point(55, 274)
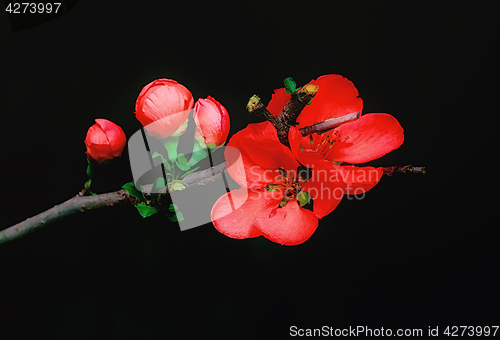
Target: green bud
point(303, 198)
point(290, 85)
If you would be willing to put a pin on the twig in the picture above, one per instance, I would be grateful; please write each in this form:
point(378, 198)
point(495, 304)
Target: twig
point(329, 124)
point(72, 206)
point(297, 102)
point(81, 203)
point(288, 115)
point(391, 170)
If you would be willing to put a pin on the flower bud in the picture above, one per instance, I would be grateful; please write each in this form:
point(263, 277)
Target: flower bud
point(163, 108)
point(105, 140)
point(212, 122)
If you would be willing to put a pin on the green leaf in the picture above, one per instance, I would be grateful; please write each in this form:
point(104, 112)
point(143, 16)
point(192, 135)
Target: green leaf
point(175, 217)
point(159, 183)
point(165, 162)
point(173, 208)
point(170, 144)
point(133, 191)
point(182, 162)
point(145, 210)
point(290, 85)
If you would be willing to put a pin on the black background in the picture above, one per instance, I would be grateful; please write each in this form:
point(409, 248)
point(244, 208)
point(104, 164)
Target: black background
point(417, 251)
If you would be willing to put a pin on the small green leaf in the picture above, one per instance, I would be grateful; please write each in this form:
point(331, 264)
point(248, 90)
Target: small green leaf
point(133, 191)
point(165, 162)
point(159, 183)
point(303, 198)
point(182, 162)
point(145, 210)
point(290, 85)
point(173, 208)
point(270, 187)
point(175, 217)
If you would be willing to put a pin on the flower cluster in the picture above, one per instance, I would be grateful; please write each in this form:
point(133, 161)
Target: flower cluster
point(273, 206)
point(278, 182)
point(163, 108)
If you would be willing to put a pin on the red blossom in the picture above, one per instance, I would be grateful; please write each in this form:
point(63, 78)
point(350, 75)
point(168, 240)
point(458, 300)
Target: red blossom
point(212, 122)
point(105, 140)
point(163, 108)
point(368, 138)
point(267, 172)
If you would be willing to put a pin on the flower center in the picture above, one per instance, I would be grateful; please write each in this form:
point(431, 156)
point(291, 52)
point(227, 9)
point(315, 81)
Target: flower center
point(323, 144)
point(289, 183)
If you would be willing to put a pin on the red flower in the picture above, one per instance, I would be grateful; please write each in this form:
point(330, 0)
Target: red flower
point(267, 204)
point(105, 140)
point(212, 122)
point(163, 108)
point(368, 138)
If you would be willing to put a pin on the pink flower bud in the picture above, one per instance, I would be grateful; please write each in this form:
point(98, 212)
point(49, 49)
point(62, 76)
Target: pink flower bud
point(105, 140)
point(212, 122)
point(163, 108)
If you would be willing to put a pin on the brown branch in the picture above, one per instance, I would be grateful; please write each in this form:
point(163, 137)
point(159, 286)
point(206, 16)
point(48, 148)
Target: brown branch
point(257, 108)
point(82, 202)
point(391, 170)
point(297, 102)
point(329, 124)
point(288, 115)
point(72, 206)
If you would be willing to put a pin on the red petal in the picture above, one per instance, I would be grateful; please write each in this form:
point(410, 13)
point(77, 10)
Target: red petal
point(326, 189)
point(163, 107)
point(99, 152)
point(290, 225)
point(97, 143)
point(173, 125)
point(212, 121)
point(366, 139)
point(359, 179)
point(261, 155)
point(278, 100)
point(114, 134)
point(234, 213)
point(336, 97)
point(301, 148)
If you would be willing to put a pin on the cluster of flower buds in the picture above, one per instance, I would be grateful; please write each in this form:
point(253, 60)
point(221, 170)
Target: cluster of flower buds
point(164, 108)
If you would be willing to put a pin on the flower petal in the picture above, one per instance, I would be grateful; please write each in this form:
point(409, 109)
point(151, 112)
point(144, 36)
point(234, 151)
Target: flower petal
point(278, 100)
point(212, 121)
point(359, 179)
point(301, 148)
point(163, 107)
point(336, 97)
point(100, 152)
point(368, 138)
point(261, 155)
point(290, 225)
point(114, 134)
point(234, 213)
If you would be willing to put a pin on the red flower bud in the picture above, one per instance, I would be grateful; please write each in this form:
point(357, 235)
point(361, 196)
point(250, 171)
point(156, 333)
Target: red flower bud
point(105, 140)
point(212, 122)
point(163, 108)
